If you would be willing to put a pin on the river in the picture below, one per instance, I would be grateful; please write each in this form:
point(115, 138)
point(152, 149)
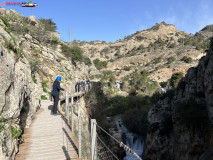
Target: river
point(132, 140)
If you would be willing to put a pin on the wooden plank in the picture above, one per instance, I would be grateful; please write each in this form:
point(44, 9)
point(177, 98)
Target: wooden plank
point(48, 137)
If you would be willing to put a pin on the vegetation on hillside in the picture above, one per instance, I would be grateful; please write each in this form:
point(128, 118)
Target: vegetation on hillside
point(99, 64)
point(175, 79)
point(75, 53)
point(141, 82)
point(197, 41)
point(48, 24)
point(186, 59)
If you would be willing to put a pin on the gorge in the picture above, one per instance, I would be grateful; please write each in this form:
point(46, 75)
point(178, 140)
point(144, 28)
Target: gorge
point(174, 125)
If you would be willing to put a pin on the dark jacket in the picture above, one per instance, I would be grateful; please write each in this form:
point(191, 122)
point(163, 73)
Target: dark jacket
point(56, 88)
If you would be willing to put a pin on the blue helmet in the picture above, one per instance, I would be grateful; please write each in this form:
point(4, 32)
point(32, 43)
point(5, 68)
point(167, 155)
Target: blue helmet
point(58, 78)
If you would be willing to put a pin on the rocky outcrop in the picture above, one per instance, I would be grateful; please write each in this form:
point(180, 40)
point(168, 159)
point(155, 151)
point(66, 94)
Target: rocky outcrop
point(19, 100)
point(28, 62)
point(206, 32)
point(181, 128)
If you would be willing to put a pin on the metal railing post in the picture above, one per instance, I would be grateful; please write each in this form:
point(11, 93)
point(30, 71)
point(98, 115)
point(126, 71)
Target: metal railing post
point(79, 130)
point(59, 103)
point(94, 139)
point(72, 122)
point(67, 107)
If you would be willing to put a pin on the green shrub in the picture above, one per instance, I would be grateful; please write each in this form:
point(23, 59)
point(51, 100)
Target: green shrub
point(171, 45)
point(10, 46)
point(198, 41)
point(132, 92)
point(45, 90)
point(105, 50)
point(48, 24)
point(157, 60)
point(54, 41)
point(6, 22)
point(136, 120)
point(16, 133)
point(74, 52)
point(159, 43)
point(87, 61)
point(156, 97)
point(171, 59)
point(175, 79)
point(140, 81)
point(43, 97)
point(44, 84)
point(99, 64)
point(187, 59)
point(34, 66)
point(34, 79)
point(1, 127)
point(127, 68)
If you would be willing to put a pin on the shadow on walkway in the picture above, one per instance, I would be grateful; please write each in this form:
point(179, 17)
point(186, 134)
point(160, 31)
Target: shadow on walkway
point(66, 153)
point(50, 107)
point(71, 141)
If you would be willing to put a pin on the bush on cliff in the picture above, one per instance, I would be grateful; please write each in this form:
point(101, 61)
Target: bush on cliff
point(99, 64)
point(48, 24)
point(175, 79)
point(136, 120)
point(187, 59)
point(74, 52)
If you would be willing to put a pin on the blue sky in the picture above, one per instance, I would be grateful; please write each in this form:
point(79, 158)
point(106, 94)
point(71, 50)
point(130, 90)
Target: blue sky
point(110, 20)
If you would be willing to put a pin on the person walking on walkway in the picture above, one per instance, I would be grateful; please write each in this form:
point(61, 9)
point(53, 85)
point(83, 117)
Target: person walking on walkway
point(55, 93)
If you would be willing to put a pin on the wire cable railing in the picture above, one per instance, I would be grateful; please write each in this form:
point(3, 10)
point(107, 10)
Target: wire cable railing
point(95, 146)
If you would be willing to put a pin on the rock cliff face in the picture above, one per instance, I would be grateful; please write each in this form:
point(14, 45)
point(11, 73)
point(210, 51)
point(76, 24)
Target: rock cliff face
point(30, 62)
point(19, 99)
point(181, 128)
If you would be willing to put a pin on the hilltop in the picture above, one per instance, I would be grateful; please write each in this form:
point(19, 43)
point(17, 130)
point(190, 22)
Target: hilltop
point(159, 50)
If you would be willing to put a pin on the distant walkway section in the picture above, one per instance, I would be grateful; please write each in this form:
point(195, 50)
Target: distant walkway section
point(48, 138)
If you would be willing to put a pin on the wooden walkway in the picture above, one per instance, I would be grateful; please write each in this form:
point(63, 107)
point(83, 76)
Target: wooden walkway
point(48, 138)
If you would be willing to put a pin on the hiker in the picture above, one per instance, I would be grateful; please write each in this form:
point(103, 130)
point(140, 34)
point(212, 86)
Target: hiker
point(76, 87)
point(55, 93)
point(88, 85)
point(83, 86)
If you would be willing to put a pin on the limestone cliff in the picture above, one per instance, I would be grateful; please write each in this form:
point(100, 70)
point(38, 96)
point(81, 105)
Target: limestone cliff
point(181, 128)
point(19, 98)
point(31, 57)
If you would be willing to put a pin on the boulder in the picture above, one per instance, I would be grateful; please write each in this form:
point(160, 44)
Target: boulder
point(4, 34)
point(18, 92)
point(33, 21)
